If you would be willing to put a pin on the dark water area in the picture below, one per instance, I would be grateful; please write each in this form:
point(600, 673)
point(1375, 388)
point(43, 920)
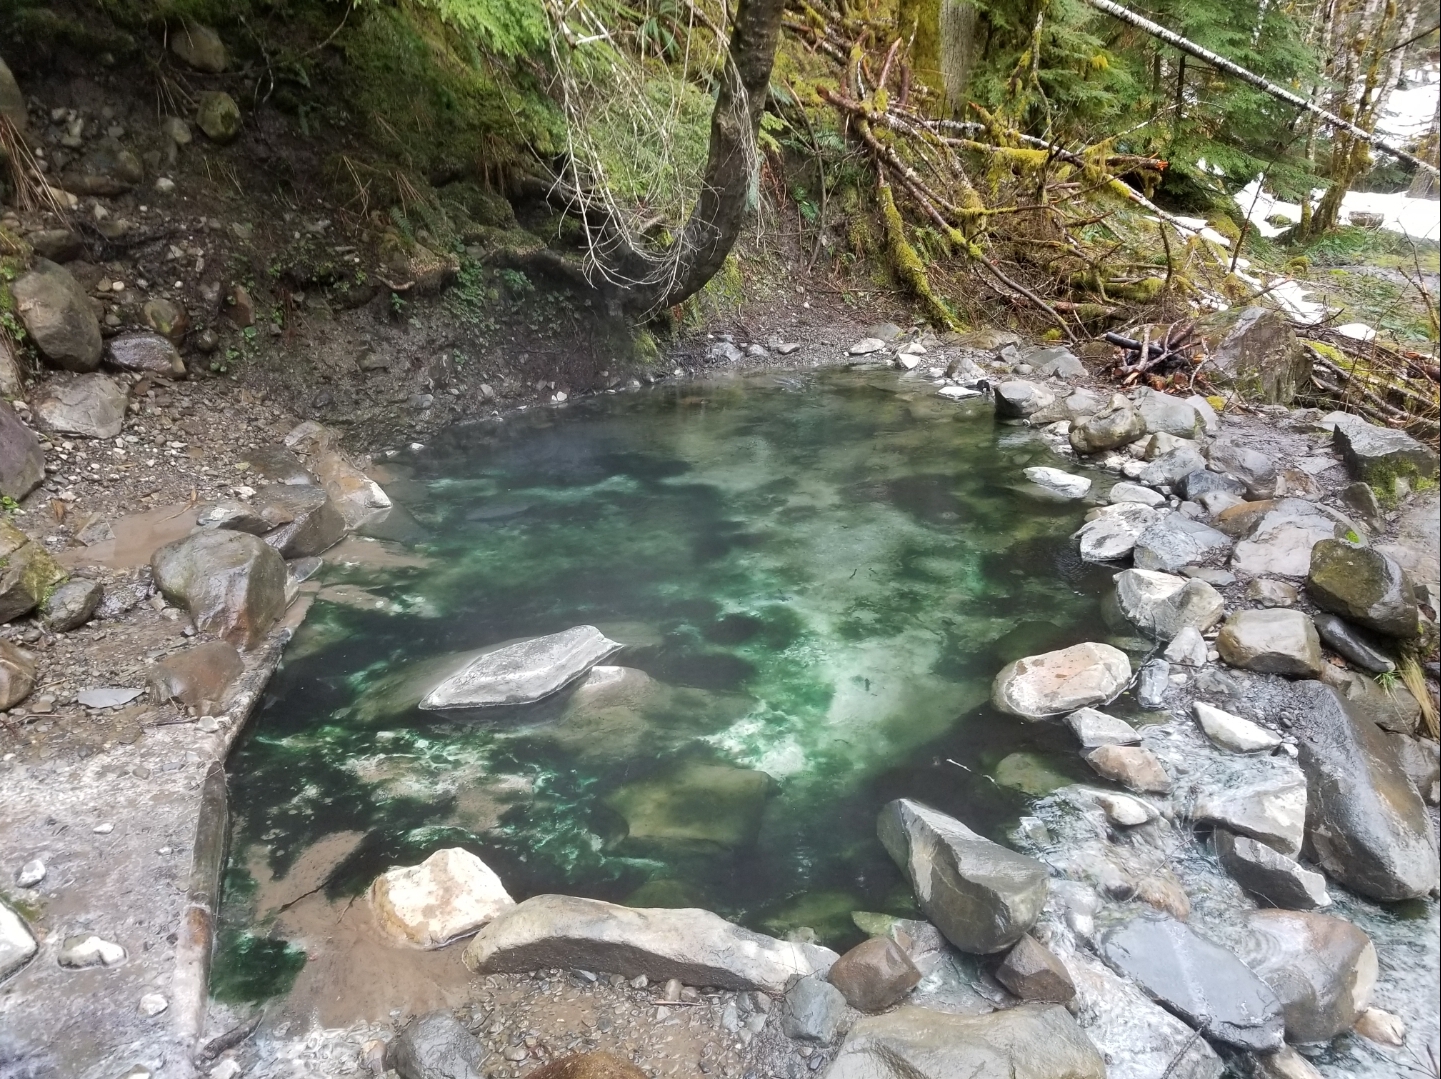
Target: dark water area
point(815, 579)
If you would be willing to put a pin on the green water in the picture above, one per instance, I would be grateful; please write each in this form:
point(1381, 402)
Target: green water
point(818, 576)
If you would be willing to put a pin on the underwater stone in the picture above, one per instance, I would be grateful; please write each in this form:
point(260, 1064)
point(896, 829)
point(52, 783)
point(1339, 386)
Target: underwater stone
point(524, 672)
point(695, 803)
point(1152, 684)
point(980, 895)
point(1060, 681)
point(700, 948)
point(1205, 984)
point(1131, 766)
point(1058, 482)
point(448, 896)
point(1031, 1041)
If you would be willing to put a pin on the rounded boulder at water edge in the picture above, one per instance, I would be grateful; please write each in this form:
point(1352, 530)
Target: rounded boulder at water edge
point(58, 317)
point(1274, 641)
point(1019, 399)
point(1163, 604)
point(1057, 482)
point(448, 896)
point(874, 975)
point(1363, 585)
point(1131, 766)
point(232, 583)
point(1060, 681)
point(1109, 428)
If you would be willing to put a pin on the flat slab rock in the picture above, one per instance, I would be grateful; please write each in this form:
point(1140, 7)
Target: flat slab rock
point(1061, 681)
point(700, 948)
point(523, 672)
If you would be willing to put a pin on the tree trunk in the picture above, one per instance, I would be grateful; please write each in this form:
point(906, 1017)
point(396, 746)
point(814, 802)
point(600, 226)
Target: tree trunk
point(731, 171)
point(919, 22)
point(957, 50)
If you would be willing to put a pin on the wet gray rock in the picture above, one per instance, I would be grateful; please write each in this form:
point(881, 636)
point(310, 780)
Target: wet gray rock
point(1421, 762)
point(1175, 541)
point(1360, 499)
point(1255, 350)
point(1055, 361)
point(1032, 972)
point(17, 674)
point(1232, 732)
point(1131, 766)
point(813, 1011)
point(980, 895)
point(1266, 592)
point(1060, 681)
point(27, 572)
point(1113, 426)
point(1366, 823)
point(1203, 983)
point(1032, 1041)
point(1172, 467)
point(85, 406)
point(436, 1046)
point(696, 946)
point(1268, 804)
point(1350, 643)
point(1162, 605)
point(1169, 415)
point(874, 975)
point(71, 605)
point(1363, 585)
point(1417, 546)
point(199, 677)
point(359, 498)
point(1254, 469)
point(1126, 491)
point(107, 169)
point(17, 946)
point(1275, 641)
point(1112, 536)
point(305, 520)
point(234, 515)
point(524, 672)
point(1381, 455)
point(1095, 729)
point(1270, 876)
point(1203, 482)
point(1392, 708)
point(276, 464)
point(58, 317)
point(1322, 969)
point(232, 584)
point(1187, 648)
point(22, 460)
point(145, 353)
point(1019, 399)
point(198, 46)
point(1152, 684)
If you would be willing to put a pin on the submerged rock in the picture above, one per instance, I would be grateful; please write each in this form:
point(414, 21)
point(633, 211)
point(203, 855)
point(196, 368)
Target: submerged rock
point(436, 1046)
point(1061, 681)
point(1322, 969)
point(980, 895)
point(1032, 1041)
point(199, 677)
point(1276, 641)
point(874, 975)
point(694, 805)
point(696, 946)
point(1363, 585)
point(233, 584)
point(1162, 604)
point(448, 896)
point(1365, 821)
point(1203, 983)
point(524, 672)
point(1269, 875)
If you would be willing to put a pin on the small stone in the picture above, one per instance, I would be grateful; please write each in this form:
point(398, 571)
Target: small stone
point(1380, 1027)
point(1125, 811)
point(874, 975)
point(1232, 732)
point(71, 605)
point(152, 1004)
point(1131, 766)
point(1032, 972)
point(17, 674)
point(1187, 648)
point(1268, 592)
point(1134, 492)
point(80, 952)
point(1058, 482)
point(1095, 729)
point(1152, 685)
point(31, 873)
point(1349, 642)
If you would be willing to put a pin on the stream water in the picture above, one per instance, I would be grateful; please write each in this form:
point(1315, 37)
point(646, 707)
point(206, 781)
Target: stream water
point(816, 578)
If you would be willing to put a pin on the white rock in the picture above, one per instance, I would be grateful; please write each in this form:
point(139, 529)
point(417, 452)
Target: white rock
point(1232, 732)
point(1112, 535)
point(912, 348)
point(226, 1069)
point(907, 363)
point(152, 1004)
point(956, 393)
point(449, 895)
point(1126, 811)
point(1061, 681)
point(1188, 648)
point(1095, 729)
point(1383, 1028)
point(80, 952)
point(866, 345)
point(31, 873)
point(1058, 482)
point(523, 672)
point(16, 943)
point(1162, 604)
point(1134, 492)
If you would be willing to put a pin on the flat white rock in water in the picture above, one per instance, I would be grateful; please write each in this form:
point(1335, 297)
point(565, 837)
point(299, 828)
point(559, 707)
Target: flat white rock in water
point(1232, 732)
point(524, 672)
point(449, 895)
point(956, 393)
point(1058, 482)
point(1134, 492)
point(1061, 681)
point(1124, 810)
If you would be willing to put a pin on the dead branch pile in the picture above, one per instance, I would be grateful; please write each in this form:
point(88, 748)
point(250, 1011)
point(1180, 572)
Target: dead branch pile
point(1385, 384)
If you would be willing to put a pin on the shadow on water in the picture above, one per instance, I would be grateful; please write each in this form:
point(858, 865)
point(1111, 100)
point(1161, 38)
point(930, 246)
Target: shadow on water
point(815, 584)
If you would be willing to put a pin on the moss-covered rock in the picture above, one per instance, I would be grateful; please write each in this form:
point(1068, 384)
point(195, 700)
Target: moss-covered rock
point(27, 573)
point(1362, 584)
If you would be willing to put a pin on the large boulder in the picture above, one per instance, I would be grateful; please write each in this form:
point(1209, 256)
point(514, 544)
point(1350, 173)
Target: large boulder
point(1169, 415)
point(1112, 534)
point(305, 519)
point(85, 406)
point(696, 946)
point(1365, 822)
point(1363, 585)
point(1254, 469)
point(874, 975)
point(1176, 541)
point(1267, 803)
point(448, 896)
point(58, 317)
point(1061, 681)
point(359, 498)
point(1381, 456)
point(22, 461)
point(12, 107)
point(1323, 969)
point(1162, 604)
point(980, 895)
point(27, 572)
point(200, 677)
point(233, 584)
point(1172, 466)
point(1112, 427)
point(1032, 1041)
point(1254, 350)
point(1019, 399)
point(436, 1046)
point(1274, 641)
point(1270, 876)
point(1203, 983)
point(1417, 545)
point(523, 672)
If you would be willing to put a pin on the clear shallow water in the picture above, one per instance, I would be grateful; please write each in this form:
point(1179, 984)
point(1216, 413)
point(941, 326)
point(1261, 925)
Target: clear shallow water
point(818, 575)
